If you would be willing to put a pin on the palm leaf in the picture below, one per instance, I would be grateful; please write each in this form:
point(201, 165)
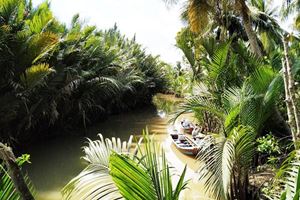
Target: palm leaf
point(133, 181)
point(198, 15)
point(7, 188)
point(230, 152)
point(286, 183)
point(95, 182)
point(35, 75)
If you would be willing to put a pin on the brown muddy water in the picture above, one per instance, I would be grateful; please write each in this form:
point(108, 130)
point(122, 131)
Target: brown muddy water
point(56, 161)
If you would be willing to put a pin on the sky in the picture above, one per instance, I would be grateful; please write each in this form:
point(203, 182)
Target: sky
point(154, 24)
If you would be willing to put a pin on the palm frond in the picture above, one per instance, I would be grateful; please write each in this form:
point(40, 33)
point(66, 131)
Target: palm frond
point(94, 181)
point(133, 180)
point(228, 157)
point(217, 67)
point(7, 188)
point(197, 104)
point(116, 172)
point(42, 16)
point(198, 15)
point(35, 75)
point(286, 182)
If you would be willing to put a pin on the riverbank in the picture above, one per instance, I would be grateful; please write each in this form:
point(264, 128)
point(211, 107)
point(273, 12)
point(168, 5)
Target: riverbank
point(56, 161)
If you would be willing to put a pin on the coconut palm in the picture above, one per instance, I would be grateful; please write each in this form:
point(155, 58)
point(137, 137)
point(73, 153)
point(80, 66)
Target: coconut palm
point(265, 23)
point(116, 171)
point(291, 8)
point(200, 13)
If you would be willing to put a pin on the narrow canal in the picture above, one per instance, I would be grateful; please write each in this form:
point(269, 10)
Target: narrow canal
point(56, 161)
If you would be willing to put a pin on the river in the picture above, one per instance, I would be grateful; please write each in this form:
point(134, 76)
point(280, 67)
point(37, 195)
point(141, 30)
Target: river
point(56, 161)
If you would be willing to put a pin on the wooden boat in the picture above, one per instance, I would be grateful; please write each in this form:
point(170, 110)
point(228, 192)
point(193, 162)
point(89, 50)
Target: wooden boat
point(185, 144)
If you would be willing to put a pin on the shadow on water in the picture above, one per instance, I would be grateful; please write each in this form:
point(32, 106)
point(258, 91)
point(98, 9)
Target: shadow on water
point(56, 161)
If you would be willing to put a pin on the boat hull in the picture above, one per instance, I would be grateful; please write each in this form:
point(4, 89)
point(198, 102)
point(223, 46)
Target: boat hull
point(186, 146)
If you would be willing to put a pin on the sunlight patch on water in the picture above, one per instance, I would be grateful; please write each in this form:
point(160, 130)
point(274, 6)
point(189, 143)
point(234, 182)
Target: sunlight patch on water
point(161, 114)
point(49, 195)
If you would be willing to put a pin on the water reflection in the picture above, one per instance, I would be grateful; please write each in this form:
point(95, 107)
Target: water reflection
point(165, 104)
point(57, 161)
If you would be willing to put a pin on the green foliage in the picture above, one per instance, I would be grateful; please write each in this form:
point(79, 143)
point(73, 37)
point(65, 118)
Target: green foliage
point(35, 75)
point(131, 179)
point(286, 183)
point(269, 147)
point(227, 162)
point(94, 180)
point(7, 188)
point(180, 80)
point(239, 88)
point(51, 75)
point(268, 144)
point(115, 171)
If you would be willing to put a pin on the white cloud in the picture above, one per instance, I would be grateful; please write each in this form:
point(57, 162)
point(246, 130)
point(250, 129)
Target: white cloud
point(153, 23)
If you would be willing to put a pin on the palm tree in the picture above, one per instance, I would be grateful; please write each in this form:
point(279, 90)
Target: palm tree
point(240, 110)
point(226, 165)
point(200, 13)
point(265, 23)
point(291, 8)
point(116, 171)
point(52, 74)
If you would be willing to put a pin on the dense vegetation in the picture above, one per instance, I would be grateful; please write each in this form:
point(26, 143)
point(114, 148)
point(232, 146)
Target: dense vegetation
point(58, 76)
point(244, 68)
point(239, 76)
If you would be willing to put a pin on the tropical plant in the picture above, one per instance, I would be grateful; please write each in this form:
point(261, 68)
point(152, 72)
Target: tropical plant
point(238, 103)
point(291, 8)
point(7, 188)
point(269, 150)
point(285, 185)
point(203, 15)
point(186, 42)
point(116, 171)
point(230, 100)
point(226, 165)
point(54, 76)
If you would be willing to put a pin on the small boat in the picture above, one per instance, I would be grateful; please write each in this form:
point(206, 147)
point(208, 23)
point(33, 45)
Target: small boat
point(184, 143)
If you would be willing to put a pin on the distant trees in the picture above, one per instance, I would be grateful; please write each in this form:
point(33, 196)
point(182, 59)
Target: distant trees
point(57, 76)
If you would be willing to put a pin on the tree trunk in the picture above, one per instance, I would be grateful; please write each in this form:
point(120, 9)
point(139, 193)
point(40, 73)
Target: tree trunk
point(289, 85)
point(289, 108)
point(14, 172)
point(247, 22)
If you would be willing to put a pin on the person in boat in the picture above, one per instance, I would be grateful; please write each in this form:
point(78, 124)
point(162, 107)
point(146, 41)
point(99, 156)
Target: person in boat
point(181, 138)
point(183, 123)
point(187, 125)
point(196, 131)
